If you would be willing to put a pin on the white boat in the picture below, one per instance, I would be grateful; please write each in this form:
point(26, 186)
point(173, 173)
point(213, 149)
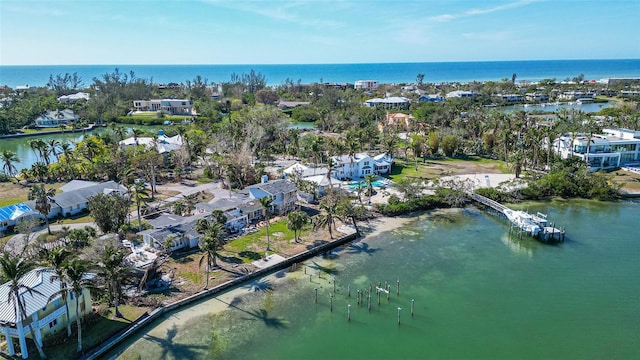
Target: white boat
point(523, 220)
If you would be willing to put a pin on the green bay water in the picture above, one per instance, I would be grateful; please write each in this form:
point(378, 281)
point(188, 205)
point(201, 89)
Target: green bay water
point(479, 293)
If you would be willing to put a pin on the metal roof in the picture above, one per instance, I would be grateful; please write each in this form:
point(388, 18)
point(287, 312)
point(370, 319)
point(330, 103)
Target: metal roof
point(80, 196)
point(39, 280)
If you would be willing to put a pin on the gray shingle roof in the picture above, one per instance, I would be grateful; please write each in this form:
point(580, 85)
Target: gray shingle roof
point(276, 187)
point(80, 196)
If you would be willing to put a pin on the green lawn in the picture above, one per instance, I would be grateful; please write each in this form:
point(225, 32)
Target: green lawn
point(100, 329)
point(432, 169)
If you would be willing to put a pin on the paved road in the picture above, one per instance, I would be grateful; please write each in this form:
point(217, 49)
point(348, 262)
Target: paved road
point(16, 243)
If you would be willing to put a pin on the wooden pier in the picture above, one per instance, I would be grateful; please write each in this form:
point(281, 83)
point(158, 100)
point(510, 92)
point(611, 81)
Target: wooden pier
point(546, 234)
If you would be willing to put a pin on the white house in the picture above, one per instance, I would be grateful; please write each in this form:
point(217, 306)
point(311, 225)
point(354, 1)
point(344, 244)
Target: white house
point(461, 94)
point(614, 148)
point(76, 200)
point(45, 309)
point(282, 193)
point(433, 98)
point(72, 98)
point(509, 97)
point(366, 85)
point(360, 166)
point(55, 118)
point(164, 144)
point(168, 106)
point(393, 102)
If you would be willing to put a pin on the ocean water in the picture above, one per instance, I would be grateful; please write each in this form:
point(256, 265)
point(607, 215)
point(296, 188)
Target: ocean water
point(478, 294)
point(309, 73)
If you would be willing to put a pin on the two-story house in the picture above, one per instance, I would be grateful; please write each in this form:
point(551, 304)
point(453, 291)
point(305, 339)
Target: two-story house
point(44, 309)
point(282, 193)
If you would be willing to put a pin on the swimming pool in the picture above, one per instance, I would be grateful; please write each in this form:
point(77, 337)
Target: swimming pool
point(378, 183)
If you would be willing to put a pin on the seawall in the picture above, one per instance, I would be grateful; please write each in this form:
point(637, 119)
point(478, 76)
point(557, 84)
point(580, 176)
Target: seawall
point(146, 319)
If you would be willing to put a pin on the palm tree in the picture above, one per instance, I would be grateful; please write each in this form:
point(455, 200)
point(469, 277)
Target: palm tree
point(67, 152)
point(178, 208)
point(56, 260)
point(52, 148)
point(296, 220)
point(329, 217)
point(266, 203)
point(14, 269)
point(42, 196)
point(330, 165)
point(212, 234)
point(112, 270)
point(369, 180)
point(76, 275)
point(140, 195)
point(8, 157)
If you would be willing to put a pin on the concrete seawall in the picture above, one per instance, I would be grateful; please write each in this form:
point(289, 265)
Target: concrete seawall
point(146, 319)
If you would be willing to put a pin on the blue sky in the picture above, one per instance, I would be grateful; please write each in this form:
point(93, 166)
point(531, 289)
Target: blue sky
point(58, 32)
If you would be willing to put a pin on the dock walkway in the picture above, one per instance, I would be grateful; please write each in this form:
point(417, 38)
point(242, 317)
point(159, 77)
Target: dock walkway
point(546, 233)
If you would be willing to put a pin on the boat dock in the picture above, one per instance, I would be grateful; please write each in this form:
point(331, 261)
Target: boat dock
point(536, 225)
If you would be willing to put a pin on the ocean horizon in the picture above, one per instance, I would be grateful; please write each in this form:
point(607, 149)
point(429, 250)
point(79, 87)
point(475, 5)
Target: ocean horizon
point(276, 74)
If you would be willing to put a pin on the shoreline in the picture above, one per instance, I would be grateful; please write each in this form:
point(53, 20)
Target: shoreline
point(54, 132)
point(232, 288)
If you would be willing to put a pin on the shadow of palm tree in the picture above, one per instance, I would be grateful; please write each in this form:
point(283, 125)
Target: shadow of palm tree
point(315, 244)
point(259, 285)
point(263, 315)
point(176, 350)
point(324, 269)
point(362, 248)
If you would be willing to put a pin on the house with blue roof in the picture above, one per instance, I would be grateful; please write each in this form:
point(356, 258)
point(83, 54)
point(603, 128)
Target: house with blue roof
point(12, 215)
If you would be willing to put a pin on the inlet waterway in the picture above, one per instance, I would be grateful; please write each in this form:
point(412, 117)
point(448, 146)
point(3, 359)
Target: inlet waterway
point(478, 292)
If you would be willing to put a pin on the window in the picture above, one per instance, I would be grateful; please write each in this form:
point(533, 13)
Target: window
point(53, 323)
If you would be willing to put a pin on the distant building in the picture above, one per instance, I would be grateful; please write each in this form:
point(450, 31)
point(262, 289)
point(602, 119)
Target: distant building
point(164, 144)
point(366, 85)
point(396, 120)
point(45, 309)
point(167, 106)
point(390, 103)
point(536, 97)
point(55, 118)
point(461, 94)
point(433, 98)
point(509, 97)
point(66, 99)
point(287, 105)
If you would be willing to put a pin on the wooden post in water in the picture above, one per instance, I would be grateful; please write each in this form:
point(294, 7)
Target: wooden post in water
point(331, 302)
point(378, 291)
point(398, 287)
point(358, 297)
point(334, 284)
point(348, 290)
point(369, 302)
point(349, 312)
point(399, 315)
point(388, 291)
point(316, 289)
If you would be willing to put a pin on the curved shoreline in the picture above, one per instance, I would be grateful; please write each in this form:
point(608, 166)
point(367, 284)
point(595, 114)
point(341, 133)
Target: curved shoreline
point(88, 128)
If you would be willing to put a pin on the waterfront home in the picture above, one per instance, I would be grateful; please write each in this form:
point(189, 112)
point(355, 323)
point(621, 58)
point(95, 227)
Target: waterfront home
point(177, 231)
point(44, 309)
point(509, 97)
point(282, 193)
point(167, 106)
point(576, 94)
point(612, 149)
point(360, 165)
point(391, 103)
point(461, 94)
point(163, 144)
point(536, 97)
point(55, 118)
point(430, 98)
point(72, 98)
point(366, 85)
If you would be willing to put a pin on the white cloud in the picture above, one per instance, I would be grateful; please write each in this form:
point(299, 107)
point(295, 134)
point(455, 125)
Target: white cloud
point(475, 12)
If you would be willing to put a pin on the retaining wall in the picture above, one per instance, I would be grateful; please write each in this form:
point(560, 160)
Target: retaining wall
point(144, 320)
